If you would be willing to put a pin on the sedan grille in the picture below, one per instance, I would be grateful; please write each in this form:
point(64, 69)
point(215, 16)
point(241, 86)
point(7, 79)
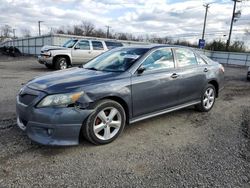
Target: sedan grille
point(27, 99)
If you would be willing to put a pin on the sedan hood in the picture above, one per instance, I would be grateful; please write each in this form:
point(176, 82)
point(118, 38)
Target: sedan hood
point(47, 48)
point(70, 79)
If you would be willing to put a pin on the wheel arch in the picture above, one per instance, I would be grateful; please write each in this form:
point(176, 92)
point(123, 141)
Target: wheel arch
point(216, 85)
point(122, 102)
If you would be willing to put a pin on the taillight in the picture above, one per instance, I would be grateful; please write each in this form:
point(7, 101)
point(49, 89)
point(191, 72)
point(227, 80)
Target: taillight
point(222, 68)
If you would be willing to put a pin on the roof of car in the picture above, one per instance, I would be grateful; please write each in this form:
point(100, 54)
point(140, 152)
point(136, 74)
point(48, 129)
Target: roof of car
point(152, 46)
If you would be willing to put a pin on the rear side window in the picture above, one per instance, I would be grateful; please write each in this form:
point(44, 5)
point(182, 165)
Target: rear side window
point(83, 45)
point(185, 57)
point(111, 45)
point(97, 45)
point(200, 60)
point(159, 59)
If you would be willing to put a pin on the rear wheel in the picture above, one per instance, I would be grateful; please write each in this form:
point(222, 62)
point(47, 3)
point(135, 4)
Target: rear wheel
point(106, 123)
point(61, 63)
point(207, 99)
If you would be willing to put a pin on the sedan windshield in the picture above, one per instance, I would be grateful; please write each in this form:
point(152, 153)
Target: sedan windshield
point(117, 60)
point(69, 43)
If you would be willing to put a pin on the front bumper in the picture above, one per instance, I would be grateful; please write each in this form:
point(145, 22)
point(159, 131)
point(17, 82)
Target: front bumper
point(46, 60)
point(50, 126)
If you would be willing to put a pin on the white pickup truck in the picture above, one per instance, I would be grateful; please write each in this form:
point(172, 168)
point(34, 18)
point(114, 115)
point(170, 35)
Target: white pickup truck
point(74, 51)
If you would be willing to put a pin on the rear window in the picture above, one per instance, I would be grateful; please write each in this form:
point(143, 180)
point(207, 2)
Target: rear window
point(111, 45)
point(97, 45)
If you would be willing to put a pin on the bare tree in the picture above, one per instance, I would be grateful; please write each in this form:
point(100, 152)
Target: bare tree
point(25, 32)
point(88, 28)
point(78, 30)
point(99, 33)
point(6, 30)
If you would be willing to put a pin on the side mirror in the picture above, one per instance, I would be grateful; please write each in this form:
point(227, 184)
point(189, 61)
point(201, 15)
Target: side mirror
point(77, 47)
point(141, 70)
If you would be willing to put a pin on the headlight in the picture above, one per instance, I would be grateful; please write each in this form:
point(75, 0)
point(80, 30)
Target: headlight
point(60, 99)
point(48, 53)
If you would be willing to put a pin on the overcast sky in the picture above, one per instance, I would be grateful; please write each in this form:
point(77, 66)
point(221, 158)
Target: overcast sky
point(176, 19)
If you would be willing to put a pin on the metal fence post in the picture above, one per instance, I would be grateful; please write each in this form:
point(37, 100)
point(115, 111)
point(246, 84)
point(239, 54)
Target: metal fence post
point(28, 46)
point(246, 59)
point(22, 48)
point(35, 46)
point(228, 57)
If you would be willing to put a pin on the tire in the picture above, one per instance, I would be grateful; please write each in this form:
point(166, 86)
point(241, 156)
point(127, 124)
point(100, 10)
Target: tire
point(49, 66)
point(61, 63)
point(98, 128)
point(207, 99)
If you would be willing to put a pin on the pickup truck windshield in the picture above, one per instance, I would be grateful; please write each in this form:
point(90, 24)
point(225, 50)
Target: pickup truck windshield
point(69, 43)
point(116, 60)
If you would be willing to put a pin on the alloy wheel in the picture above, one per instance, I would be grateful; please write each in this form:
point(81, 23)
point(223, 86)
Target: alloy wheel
point(208, 99)
point(107, 123)
point(63, 64)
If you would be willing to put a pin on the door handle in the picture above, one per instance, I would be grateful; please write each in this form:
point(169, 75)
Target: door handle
point(205, 70)
point(174, 75)
point(89, 52)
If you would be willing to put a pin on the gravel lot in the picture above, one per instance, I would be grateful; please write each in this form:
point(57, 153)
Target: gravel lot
point(181, 149)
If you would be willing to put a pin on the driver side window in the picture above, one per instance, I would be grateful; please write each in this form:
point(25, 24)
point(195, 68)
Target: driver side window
point(83, 45)
point(159, 59)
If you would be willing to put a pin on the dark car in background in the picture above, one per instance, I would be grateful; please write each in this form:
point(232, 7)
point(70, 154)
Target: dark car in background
point(119, 87)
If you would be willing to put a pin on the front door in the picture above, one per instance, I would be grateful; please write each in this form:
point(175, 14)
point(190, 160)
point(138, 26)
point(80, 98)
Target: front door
point(81, 53)
point(156, 88)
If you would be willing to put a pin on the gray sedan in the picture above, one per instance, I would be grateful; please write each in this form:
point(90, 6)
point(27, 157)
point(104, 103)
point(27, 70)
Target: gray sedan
point(119, 87)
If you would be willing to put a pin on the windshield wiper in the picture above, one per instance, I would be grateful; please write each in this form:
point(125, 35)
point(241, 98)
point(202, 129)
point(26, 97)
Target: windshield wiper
point(91, 68)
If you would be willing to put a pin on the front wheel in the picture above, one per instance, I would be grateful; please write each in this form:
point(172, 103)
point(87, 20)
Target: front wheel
point(61, 63)
point(106, 123)
point(207, 99)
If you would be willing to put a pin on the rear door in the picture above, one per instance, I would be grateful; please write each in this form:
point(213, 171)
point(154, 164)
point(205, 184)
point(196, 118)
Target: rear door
point(98, 48)
point(191, 75)
point(81, 53)
point(156, 88)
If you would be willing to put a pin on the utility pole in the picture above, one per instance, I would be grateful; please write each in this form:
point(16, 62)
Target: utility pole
point(232, 22)
point(205, 21)
point(39, 27)
point(108, 27)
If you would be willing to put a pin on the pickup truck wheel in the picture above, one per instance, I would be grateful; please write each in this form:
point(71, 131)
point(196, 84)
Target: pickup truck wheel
point(61, 63)
point(105, 124)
